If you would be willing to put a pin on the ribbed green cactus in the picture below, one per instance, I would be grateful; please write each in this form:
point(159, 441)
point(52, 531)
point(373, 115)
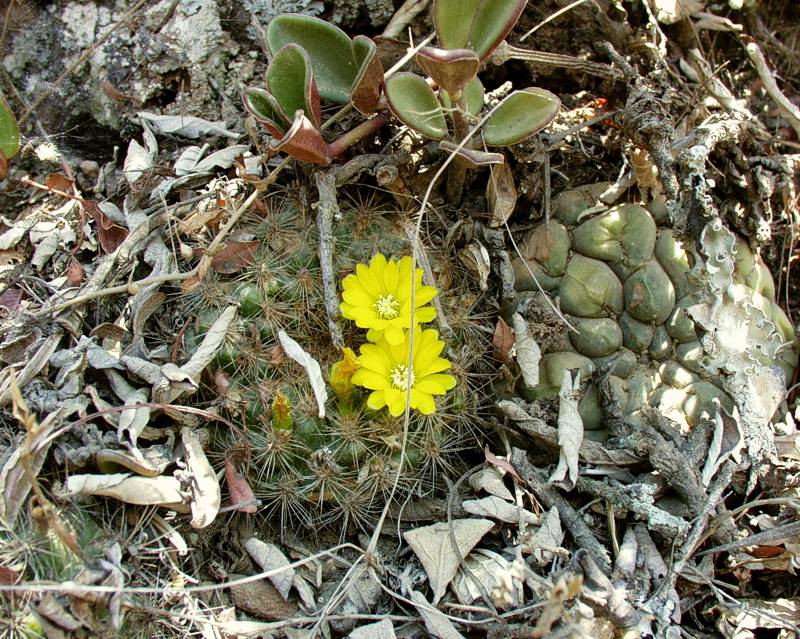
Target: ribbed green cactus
point(304, 468)
point(630, 290)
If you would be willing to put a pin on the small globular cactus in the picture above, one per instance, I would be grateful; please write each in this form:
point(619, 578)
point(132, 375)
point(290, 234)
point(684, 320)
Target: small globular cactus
point(632, 290)
point(311, 469)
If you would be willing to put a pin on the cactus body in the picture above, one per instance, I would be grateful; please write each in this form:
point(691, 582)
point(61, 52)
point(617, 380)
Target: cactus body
point(629, 288)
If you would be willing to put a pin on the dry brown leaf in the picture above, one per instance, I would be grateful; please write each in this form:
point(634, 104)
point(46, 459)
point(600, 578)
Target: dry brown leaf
point(59, 182)
point(234, 256)
point(501, 194)
point(238, 488)
point(270, 558)
point(74, 272)
point(503, 341)
point(501, 463)
point(109, 235)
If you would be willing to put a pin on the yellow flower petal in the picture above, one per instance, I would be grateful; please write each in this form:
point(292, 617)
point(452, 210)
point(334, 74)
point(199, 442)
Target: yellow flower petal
point(369, 379)
point(396, 401)
point(368, 280)
point(391, 277)
point(376, 400)
point(423, 402)
point(393, 335)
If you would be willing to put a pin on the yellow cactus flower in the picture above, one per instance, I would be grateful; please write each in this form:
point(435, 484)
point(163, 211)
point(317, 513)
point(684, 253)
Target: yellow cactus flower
point(378, 298)
point(384, 370)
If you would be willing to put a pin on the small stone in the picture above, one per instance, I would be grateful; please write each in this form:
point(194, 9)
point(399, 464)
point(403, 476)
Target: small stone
point(89, 168)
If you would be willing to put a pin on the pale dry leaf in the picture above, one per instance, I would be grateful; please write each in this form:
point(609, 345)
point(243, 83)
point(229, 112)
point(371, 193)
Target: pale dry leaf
point(672, 11)
point(296, 352)
point(270, 558)
point(549, 535)
point(188, 159)
point(362, 594)
point(379, 630)
point(222, 159)
point(727, 441)
point(207, 349)
point(186, 126)
point(501, 194)
point(490, 479)
point(137, 162)
point(570, 431)
point(206, 493)
point(528, 352)
point(131, 420)
point(498, 508)
point(15, 481)
point(486, 567)
point(476, 258)
point(433, 547)
point(131, 489)
point(437, 624)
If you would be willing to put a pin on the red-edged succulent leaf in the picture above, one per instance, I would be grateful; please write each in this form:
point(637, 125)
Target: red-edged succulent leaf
point(290, 80)
point(520, 115)
point(366, 90)
point(303, 141)
point(480, 25)
point(473, 157)
point(266, 110)
point(413, 101)
point(451, 69)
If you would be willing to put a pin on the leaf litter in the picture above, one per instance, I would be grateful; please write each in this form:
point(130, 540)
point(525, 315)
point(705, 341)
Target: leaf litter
point(575, 542)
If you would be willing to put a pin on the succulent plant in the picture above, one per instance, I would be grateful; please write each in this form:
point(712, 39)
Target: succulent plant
point(303, 467)
point(9, 134)
point(635, 294)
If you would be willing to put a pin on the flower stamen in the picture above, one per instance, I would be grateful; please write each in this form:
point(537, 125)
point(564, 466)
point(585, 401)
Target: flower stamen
point(387, 306)
point(401, 377)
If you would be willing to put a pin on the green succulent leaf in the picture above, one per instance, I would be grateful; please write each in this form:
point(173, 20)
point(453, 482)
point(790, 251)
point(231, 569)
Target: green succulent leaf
point(473, 93)
point(480, 25)
point(9, 131)
point(521, 115)
point(415, 104)
point(343, 68)
point(266, 110)
point(451, 69)
point(290, 80)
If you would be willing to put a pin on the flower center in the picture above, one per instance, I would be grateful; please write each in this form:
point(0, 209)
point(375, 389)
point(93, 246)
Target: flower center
point(387, 306)
point(402, 377)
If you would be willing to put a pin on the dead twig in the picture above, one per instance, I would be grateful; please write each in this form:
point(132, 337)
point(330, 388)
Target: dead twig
point(787, 108)
point(551, 498)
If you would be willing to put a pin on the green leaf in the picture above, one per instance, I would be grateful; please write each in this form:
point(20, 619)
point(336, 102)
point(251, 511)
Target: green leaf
point(453, 21)
point(266, 110)
point(9, 131)
point(328, 47)
point(521, 115)
point(415, 104)
point(474, 95)
point(480, 25)
point(290, 80)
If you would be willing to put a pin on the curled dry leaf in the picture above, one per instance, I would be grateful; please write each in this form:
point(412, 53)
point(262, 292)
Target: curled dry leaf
point(142, 491)
point(501, 194)
point(570, 431)
point(528, 352)
point(206, 494)
point(109, 235)
point(437, 624)
point(296, 352)
point(242, 497)
point(503, 342)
